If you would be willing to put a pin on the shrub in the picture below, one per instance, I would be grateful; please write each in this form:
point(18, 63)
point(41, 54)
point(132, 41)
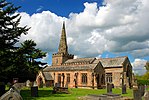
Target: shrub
point(143, 82)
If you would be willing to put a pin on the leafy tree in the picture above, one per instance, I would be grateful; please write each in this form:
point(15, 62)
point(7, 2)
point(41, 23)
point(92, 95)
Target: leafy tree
point(147, 66)
point(29, 53)
point(146, 76)
point(15, 61)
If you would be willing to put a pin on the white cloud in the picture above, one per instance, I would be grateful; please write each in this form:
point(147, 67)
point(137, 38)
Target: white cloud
point(138, 66)
point(119, 26)
point(46, 58)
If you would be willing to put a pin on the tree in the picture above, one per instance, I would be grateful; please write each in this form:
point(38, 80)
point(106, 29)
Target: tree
point(28, 55)
point(13, 60)
point(147, 66)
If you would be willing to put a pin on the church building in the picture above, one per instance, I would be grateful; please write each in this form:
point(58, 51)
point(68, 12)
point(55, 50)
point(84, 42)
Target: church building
point(84, 72)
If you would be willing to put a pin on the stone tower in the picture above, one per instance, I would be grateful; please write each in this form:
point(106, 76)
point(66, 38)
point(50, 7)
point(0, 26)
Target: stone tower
point(62, 55)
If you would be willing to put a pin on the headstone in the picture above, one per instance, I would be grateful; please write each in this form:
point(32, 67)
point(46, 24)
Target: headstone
point(141, 89)
point(17, 87)
point(124, 89)
point(35, 84)
point(109, 88)
point(66, 85)
point(13, 93)
point(34, 91)
point(146, 95)
point(28, 83)
point(137, 95)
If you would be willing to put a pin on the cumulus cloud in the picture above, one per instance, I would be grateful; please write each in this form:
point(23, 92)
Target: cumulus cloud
point(119, 26)
point(138, 66)
point(46, 58)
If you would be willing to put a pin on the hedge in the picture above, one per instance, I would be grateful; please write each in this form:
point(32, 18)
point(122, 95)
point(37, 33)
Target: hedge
point(143, 82)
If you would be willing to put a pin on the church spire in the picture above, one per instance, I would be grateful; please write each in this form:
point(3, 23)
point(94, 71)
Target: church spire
point(63, 41)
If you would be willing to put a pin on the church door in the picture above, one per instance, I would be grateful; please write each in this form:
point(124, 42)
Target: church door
point(98, 81)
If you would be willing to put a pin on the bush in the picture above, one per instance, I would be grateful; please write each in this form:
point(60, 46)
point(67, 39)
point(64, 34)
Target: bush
point(143, 82)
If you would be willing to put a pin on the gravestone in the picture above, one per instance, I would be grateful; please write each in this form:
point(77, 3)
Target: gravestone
point(137, 95)
point(109, 88)
point(34, 91)
point(28, 83)
point(66, 85)
point(13, 93)
point(141, 89)
point(146, 95)
point(124, 89)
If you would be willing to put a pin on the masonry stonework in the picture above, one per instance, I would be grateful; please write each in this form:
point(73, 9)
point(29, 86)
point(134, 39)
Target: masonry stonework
point(85, 72)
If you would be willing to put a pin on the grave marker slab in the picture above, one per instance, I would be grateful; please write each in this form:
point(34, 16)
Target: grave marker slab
point(109, 88)
point(146, 95)
point(123, 89)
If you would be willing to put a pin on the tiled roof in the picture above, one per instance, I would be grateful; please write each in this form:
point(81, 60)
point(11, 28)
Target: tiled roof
point(80, 60)
point(70, 68)
point(73, 67)
point(113, 62)
point(47, 76)
point(74, 64)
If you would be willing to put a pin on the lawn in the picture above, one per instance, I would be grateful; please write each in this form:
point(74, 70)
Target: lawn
point(46, 93)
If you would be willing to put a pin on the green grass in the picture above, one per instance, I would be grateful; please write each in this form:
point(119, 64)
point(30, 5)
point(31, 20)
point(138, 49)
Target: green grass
point(46, 93)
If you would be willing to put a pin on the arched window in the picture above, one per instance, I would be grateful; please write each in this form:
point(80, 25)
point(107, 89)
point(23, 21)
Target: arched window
point(68, 78)
point(84, 78)
point(59, 78)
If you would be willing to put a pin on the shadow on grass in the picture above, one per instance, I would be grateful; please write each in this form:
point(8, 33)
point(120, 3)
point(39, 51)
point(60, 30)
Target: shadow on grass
point(26, 94)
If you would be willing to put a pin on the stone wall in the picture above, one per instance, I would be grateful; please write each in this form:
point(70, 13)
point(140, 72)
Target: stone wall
point(72, 77)
point(116, 75)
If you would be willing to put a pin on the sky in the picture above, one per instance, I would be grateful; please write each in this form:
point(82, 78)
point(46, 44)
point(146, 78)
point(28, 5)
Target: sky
point(95, 28)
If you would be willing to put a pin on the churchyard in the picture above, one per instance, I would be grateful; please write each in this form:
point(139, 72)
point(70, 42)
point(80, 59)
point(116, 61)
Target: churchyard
point(20, 91)
point(74, 93)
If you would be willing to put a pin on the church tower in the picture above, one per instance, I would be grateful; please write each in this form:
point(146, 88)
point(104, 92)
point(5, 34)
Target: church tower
point(62, 55)
point(63, 42)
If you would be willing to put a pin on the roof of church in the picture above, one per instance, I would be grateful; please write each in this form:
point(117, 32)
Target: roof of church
point(113, 62)
point(87, 64)
point(47, 76)
point(80, 60)
point(74, 66)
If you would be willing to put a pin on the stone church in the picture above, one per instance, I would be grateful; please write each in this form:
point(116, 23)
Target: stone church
point(84, 72)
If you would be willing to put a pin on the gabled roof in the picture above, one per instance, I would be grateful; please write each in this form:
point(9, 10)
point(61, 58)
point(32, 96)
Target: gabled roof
point(113, 62)
point(73, 67)
point(47, 76)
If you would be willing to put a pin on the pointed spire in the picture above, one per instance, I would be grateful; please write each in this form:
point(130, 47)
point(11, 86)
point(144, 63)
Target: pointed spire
point(63, 41)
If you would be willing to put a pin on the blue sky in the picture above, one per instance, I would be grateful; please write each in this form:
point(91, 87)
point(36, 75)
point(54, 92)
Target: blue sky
point(59, 7)
point(95, 28)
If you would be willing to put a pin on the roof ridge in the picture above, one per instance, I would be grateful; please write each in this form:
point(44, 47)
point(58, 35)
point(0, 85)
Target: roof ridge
point(83, 58)
point(113, 57)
